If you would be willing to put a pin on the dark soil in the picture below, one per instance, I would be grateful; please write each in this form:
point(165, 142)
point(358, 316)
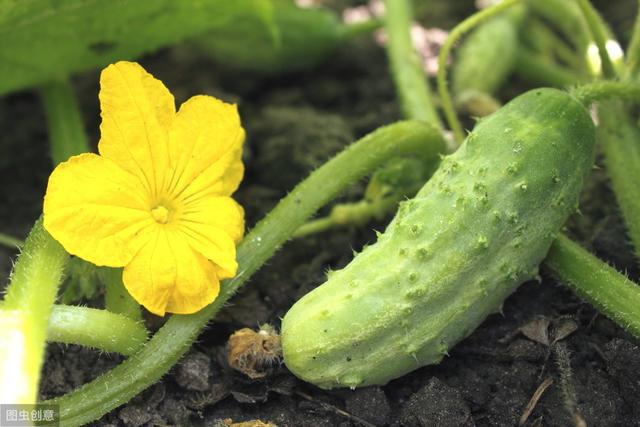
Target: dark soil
point(294, 123)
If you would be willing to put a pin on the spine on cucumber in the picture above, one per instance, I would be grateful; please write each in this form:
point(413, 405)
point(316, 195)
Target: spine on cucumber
point(450, 257)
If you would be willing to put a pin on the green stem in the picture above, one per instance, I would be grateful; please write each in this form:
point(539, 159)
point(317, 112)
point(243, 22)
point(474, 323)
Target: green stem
point(95, 328)
point(167, 346)
point(66, 130)
point(10, 241)
point(350, 214)
point(25, 315)
point(360, 28)
point(411, 83)
point(460, 30)
point(596, 282)
point(603, 90)
point(599, 34)
point(633, 50)
point(315, 226)
point(539, 32)
point(566, 17)
point(117, 299)
point(536, 70)
point(618, 135)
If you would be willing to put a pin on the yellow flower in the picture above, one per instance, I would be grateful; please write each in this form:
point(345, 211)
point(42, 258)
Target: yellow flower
point(156, 201)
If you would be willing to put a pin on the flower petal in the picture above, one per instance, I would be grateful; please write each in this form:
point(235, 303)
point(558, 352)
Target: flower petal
point(205, 148)
point(168, 276)
point(95, 210)
point(214, 243)
point(137, 111)
point(223, 213)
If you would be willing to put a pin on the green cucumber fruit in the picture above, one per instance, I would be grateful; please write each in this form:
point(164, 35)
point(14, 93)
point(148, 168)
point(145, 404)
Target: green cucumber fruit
point(473, 233)
point(306, 38)
point(484, 62)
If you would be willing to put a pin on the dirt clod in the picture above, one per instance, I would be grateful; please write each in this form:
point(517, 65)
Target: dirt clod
point(370, 404)
point(623, 363)
point(134, 416)
point(175, 411)
point(193, 372)
point(436, 404)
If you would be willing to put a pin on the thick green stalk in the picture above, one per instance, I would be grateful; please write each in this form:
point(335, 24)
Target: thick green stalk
point(95, 328)
point(460, 30)
point(117, 299)
point(411, 83)
point(619, 137)
point(596, 282)
point(25, 315)
point(604, 90)
point(633, 50)
point(167, 346)
point(66, 131)
point(599, 34)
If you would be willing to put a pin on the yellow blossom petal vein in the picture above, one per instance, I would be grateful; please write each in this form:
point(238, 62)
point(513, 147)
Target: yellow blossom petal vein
point(156, 201)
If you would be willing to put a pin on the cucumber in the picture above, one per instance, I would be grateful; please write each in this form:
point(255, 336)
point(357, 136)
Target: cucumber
point(452, 254)
point(306, 38)
point(484, 62)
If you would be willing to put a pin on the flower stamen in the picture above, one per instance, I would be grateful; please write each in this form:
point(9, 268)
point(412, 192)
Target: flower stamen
point(160, 214)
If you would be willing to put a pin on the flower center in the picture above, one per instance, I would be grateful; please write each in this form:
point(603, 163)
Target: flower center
point(160, 214)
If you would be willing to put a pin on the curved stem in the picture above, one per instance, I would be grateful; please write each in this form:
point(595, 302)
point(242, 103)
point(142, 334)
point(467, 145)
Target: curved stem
point(603, 90)
point(66, 130)
point(10, 241)
point(411, 83)
point(95, 328)
point(540, 32)
point(633, 50)
point(314, 226)
point(165, 348)
point(461, 29)
point(599, 35)
point(566, 18)
point(596, 282)
point(25, 314)
point(352, 214)
point(536, 70)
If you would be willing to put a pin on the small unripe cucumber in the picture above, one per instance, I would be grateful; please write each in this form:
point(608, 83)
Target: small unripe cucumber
point(306, 38)
point(484, 62)
point(486, 57)
point(474, 232)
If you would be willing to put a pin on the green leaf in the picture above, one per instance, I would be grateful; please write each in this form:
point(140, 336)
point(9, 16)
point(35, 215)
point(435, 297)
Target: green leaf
point(47, 39)
point(82, 281)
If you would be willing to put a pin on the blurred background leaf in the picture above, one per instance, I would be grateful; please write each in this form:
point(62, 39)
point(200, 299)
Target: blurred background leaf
point(48, 39)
